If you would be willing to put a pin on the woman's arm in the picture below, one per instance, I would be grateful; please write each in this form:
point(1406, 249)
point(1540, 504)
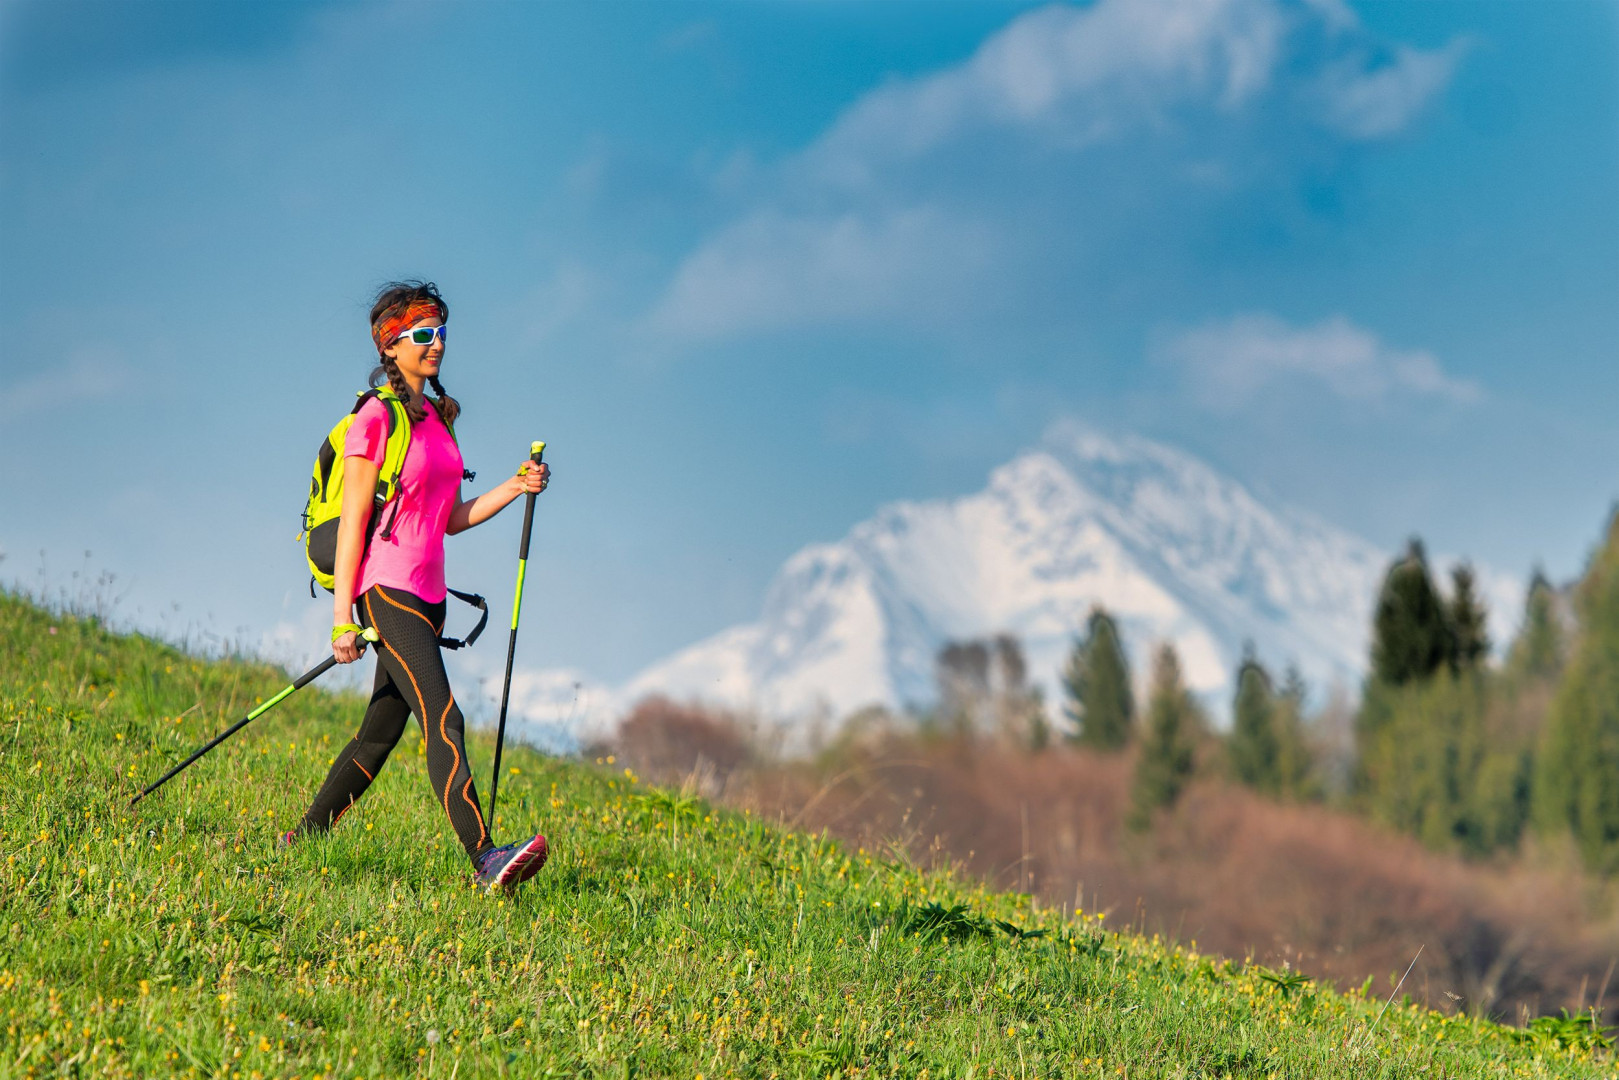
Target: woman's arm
point(359, 488)
point(529, 480)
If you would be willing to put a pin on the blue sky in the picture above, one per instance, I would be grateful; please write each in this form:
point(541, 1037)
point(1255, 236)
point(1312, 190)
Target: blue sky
point(754, 269)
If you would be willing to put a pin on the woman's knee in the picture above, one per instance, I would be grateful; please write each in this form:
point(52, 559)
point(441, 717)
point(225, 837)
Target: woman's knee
point(451, 726)
point(372, 755)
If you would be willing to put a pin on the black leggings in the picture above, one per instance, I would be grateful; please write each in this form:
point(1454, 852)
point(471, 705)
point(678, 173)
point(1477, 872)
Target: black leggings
point(410, 679)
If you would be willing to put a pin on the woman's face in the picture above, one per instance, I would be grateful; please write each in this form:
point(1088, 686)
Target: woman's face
point(419, 362)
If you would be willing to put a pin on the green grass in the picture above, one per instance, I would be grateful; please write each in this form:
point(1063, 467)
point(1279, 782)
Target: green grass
point(665, 938)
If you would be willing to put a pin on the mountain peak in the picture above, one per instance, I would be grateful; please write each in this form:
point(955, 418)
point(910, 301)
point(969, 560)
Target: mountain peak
point(1175, 550)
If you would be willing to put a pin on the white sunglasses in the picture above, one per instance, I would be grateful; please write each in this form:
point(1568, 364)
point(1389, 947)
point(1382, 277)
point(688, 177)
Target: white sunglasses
point(423, 335)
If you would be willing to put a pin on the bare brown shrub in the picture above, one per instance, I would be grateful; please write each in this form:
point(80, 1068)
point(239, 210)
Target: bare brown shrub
point(678, 744)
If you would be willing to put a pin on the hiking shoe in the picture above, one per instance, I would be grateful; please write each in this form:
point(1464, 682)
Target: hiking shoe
point(503, 867)
point(287, 839)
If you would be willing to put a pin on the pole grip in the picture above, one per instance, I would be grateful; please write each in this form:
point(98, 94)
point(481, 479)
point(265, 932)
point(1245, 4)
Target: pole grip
point(536, 454)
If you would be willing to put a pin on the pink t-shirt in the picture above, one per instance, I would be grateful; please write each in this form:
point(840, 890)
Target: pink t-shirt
point(412, 558)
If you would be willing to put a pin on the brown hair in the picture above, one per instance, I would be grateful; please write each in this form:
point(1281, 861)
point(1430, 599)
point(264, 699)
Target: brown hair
point(393, 298)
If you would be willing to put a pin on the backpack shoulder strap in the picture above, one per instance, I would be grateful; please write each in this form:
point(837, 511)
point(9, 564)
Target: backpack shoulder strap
point(393, 460)
point(466, 473)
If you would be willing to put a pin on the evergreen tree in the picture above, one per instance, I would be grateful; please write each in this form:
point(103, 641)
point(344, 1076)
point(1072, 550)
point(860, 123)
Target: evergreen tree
point(1577, 776)
point(1038, 726)
point(1467, 620)
point(1411, 633)
point(1516, 720)
point(1500, 801)
point(1169, 743)
point(1539, 651)
point(1294, 766)
point(1096, 683)
point(1428, 760)
point(1254, 751)
point(1411, 640)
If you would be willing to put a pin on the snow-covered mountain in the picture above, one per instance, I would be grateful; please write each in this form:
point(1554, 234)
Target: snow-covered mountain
point(1172, 548)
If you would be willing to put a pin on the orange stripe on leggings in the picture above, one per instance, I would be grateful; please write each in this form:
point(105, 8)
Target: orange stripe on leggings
point(402, 607)
point(483, 833)
point(357, 765)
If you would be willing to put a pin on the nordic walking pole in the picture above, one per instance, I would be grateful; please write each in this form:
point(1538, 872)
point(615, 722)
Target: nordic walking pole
point(298, 684)
point(536, 454)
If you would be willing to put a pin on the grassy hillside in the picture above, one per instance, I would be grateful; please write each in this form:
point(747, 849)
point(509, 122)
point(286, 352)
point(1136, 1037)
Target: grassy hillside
point(664, 939)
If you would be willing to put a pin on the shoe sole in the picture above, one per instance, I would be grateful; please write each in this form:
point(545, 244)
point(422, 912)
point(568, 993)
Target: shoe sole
point(524, 865)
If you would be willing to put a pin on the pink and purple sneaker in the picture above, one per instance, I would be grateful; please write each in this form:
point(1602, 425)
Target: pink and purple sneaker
point(504, 867)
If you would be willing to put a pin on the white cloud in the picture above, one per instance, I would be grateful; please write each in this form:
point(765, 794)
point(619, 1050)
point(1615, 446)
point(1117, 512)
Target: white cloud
point(1072, 75)
point(771, 269)
point(1076, 75)
point(894, 209)
point(1227, 364)
point(1371, 104)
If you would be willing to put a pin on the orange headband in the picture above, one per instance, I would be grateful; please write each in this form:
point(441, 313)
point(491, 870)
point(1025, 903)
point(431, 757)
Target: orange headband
point(386, 330)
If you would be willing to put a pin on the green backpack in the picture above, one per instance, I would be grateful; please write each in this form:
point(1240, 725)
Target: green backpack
point(326, 487)
point(325, 505)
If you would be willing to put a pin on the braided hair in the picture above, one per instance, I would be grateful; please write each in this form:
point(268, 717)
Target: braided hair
point(393, 299)
point(448, 408)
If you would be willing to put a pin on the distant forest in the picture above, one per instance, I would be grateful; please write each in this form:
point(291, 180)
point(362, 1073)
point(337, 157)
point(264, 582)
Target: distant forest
point(1466, 753)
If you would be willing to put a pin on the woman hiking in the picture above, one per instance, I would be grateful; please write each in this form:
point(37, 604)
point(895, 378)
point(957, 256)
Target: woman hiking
point(393, 582)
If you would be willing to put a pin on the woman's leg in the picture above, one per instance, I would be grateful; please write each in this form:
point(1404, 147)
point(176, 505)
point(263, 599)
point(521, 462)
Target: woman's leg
point(360, 761)
point(409, 628)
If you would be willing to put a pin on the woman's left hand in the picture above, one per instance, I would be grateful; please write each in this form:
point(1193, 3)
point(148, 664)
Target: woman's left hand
point(532, 480)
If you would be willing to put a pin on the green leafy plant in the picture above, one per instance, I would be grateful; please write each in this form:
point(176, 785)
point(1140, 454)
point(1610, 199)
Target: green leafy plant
point(1287, 981)
point(1575, 1031)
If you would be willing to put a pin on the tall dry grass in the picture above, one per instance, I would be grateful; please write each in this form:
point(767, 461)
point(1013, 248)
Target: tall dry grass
point(1326, 892)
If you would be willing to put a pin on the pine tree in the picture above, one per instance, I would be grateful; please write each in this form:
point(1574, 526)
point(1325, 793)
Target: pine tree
point(1169, 743)
point(1294, 767)
point(1411, 640)
point(1428, 761)
point(1467, 620)
point(1577, 776)
point(1502, 789)
point(1096, 683)
point(1516, 721)
point(1411, 633)
point(1253, 750)
point(1539, 650)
